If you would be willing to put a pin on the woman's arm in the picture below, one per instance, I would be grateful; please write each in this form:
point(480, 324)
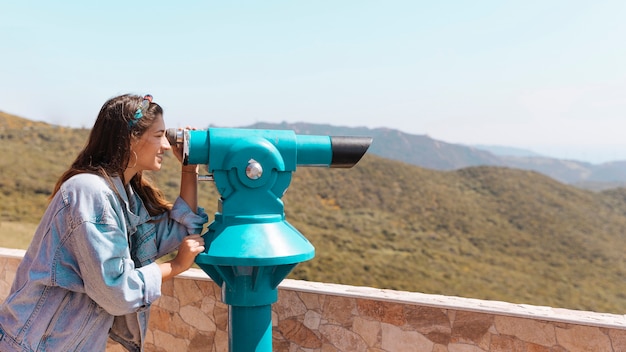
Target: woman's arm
point(188, 180)
point(189, 186)
point(109, 275)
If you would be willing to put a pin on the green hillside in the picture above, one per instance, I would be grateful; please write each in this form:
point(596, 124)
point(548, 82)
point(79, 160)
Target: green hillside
point(482, 232)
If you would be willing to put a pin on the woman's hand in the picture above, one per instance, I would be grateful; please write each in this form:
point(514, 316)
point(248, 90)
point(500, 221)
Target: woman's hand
point(189, 248)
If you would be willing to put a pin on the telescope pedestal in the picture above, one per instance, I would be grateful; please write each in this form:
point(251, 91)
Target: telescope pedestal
point(248, 261)
point(250, 248)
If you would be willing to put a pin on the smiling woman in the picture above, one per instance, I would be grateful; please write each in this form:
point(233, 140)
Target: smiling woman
point(92, 267)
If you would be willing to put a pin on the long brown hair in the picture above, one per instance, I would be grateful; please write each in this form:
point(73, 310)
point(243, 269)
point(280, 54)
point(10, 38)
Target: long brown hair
point(107, 152)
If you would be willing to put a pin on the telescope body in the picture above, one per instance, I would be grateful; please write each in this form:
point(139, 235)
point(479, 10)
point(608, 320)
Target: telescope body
point(250, 247)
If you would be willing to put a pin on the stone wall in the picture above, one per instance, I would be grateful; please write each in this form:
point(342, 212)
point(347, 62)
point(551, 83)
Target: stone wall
point(312, 316)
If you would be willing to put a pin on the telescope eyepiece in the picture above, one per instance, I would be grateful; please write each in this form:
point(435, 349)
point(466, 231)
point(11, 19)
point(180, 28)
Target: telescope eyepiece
point(179, 138)
point(174, 136)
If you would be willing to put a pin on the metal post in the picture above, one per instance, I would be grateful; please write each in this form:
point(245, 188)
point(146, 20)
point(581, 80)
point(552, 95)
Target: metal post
point(250, 328)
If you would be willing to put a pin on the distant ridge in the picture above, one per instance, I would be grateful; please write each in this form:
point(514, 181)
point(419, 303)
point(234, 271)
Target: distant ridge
point(13, 121)
point(420, 150)
point(501, 150)
point(423, 151)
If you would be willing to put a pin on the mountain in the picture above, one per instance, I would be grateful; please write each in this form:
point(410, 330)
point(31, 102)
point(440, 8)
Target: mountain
point(488, 232)
point(8, 121)
point(421, 150)
point(506, 151)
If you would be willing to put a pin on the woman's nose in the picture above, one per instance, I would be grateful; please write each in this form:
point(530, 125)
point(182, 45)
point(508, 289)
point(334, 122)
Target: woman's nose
point(165, 143)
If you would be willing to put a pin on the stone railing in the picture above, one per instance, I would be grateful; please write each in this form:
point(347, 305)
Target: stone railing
point(311, 316)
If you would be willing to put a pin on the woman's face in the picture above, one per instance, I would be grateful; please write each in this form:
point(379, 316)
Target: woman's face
point(150, 147)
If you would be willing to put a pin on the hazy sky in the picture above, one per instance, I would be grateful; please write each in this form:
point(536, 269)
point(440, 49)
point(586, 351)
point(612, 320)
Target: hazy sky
point(545, 75)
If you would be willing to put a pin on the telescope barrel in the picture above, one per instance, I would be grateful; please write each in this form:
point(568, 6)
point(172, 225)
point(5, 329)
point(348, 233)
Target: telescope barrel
point(305, 150)
point(331, 151)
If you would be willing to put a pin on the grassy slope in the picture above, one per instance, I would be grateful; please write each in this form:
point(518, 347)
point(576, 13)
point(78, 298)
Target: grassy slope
point(483, 232)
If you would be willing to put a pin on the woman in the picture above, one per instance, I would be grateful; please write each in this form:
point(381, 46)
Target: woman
point(90, 271)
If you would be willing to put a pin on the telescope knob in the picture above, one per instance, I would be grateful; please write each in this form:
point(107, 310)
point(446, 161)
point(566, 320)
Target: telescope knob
point(254, 170)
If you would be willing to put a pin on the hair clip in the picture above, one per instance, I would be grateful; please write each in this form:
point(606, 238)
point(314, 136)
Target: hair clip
point(145, 103)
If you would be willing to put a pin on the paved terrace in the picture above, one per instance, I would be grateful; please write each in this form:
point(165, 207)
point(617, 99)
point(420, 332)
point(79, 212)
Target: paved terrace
point(313, 316)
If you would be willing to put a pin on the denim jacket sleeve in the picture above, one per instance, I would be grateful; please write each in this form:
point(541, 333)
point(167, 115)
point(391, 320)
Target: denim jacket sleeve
point(180, 220)
point(97, 239)
point(109, 274)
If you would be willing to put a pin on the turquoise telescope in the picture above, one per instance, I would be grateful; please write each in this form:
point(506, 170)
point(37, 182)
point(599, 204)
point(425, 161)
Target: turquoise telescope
point(250, 247)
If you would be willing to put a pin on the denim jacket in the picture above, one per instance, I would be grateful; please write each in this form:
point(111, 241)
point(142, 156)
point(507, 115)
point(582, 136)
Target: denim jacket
point(90, 270)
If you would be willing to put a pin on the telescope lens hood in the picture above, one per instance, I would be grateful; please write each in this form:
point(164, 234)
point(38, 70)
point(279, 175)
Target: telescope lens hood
point(348, 150)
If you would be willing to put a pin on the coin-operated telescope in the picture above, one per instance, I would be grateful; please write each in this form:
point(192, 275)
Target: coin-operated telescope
point(250, 247)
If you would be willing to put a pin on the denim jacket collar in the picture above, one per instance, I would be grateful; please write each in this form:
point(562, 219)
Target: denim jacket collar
point(134, 209)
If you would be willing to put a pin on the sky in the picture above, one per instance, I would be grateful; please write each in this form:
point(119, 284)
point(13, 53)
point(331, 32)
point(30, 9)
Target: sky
point(547, 75)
